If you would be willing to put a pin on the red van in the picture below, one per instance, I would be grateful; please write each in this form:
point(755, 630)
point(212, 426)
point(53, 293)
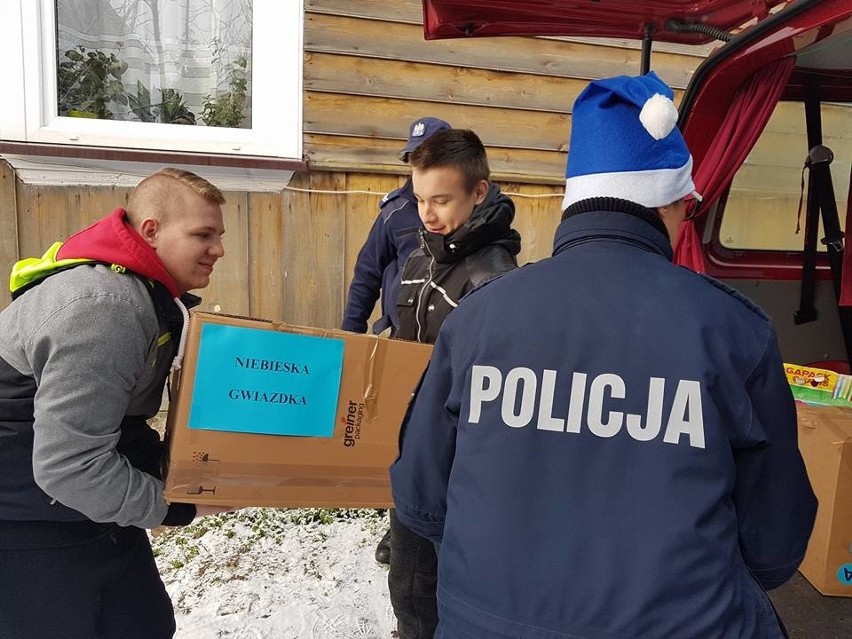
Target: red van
point(768, 118)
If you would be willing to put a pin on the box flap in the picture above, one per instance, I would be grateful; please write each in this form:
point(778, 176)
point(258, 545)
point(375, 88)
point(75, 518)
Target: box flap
point(832, 422)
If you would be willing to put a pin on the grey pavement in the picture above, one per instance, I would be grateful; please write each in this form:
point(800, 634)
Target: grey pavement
point(810, 615)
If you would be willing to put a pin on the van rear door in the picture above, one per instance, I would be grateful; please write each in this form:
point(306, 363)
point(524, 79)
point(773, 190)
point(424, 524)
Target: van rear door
point(747, 236)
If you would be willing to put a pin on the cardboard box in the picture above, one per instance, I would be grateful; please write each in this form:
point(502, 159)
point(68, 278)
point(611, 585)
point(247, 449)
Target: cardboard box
point(825, 440)
point(270, 414)
point(819, 385)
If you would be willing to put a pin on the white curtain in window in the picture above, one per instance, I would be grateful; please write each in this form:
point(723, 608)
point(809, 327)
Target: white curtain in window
point(174, 44)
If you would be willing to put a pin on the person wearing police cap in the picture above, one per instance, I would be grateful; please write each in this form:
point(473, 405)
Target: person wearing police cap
point(390, 241)
point(604, 444)
point(378, 267)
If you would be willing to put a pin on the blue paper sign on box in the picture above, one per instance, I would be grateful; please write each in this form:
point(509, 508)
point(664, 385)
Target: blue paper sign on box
point(250, 380)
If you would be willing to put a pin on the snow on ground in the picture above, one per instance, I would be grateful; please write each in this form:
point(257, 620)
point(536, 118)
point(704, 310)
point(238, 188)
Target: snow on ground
point(262, 573)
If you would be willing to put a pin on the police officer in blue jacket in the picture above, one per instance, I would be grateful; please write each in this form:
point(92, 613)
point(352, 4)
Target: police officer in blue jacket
point(391, 240)
point(378, 269)
point(604, 443)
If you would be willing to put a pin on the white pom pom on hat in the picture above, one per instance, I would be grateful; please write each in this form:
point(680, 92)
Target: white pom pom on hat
point(658, 116)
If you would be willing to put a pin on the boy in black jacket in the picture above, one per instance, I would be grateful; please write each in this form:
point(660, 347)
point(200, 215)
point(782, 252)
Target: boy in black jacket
point(467, 238)
point(391, 240)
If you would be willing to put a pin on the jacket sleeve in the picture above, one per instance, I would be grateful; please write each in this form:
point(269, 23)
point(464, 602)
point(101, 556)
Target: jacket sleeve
point(373, 258)
point(773, 497)
point(87, 358)
point(420, 474)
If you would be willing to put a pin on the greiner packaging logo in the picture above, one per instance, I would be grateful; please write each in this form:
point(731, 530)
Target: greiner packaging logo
point(353, 419)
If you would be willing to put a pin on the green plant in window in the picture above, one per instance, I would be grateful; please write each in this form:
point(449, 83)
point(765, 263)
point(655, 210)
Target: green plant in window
point(172, 109)
point(88, 82)
point(140, 104)
point(227, 106)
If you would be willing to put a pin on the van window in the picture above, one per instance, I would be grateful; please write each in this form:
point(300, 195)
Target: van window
point(761, 211)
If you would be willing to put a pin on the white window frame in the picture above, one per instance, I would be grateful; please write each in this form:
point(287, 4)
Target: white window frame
point(28, 109)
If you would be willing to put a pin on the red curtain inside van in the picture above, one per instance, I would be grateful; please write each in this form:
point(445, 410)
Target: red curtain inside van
point(746, 118)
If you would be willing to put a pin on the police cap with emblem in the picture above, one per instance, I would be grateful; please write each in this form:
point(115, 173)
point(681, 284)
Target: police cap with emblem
point(421, 129)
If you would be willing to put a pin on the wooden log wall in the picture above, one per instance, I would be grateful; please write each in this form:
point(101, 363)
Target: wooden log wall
point(369, 73)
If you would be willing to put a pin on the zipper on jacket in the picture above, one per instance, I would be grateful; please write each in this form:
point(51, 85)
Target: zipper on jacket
point(430, 276)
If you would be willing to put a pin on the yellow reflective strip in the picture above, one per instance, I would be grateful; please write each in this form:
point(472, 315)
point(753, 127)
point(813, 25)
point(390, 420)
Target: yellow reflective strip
point(31, 269)
point(165, 337)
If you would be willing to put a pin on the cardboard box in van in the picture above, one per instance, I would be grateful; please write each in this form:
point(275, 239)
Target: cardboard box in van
point(825, 440)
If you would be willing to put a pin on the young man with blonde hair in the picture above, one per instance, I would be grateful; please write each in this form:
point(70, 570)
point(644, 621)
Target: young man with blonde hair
point(86, 345)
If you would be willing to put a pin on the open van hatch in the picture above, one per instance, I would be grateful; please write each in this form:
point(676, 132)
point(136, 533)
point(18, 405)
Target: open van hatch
point(752, 230)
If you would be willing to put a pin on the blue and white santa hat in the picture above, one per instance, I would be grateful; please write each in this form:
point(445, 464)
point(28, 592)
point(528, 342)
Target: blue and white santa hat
point(625, 144)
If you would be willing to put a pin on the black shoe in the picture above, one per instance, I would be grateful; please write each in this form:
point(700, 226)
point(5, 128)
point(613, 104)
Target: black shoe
point(383, 549)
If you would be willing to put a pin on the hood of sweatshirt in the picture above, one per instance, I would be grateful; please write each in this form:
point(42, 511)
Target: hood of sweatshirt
point(112, 240)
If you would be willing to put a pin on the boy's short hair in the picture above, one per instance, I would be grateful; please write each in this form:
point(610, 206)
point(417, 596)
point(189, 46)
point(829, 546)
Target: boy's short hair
point(195, 182)
point(460, 149)
point(155, 195)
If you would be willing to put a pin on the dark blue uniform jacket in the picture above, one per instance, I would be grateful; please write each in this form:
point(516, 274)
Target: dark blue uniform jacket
point(378, 268)
point(605, 444)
